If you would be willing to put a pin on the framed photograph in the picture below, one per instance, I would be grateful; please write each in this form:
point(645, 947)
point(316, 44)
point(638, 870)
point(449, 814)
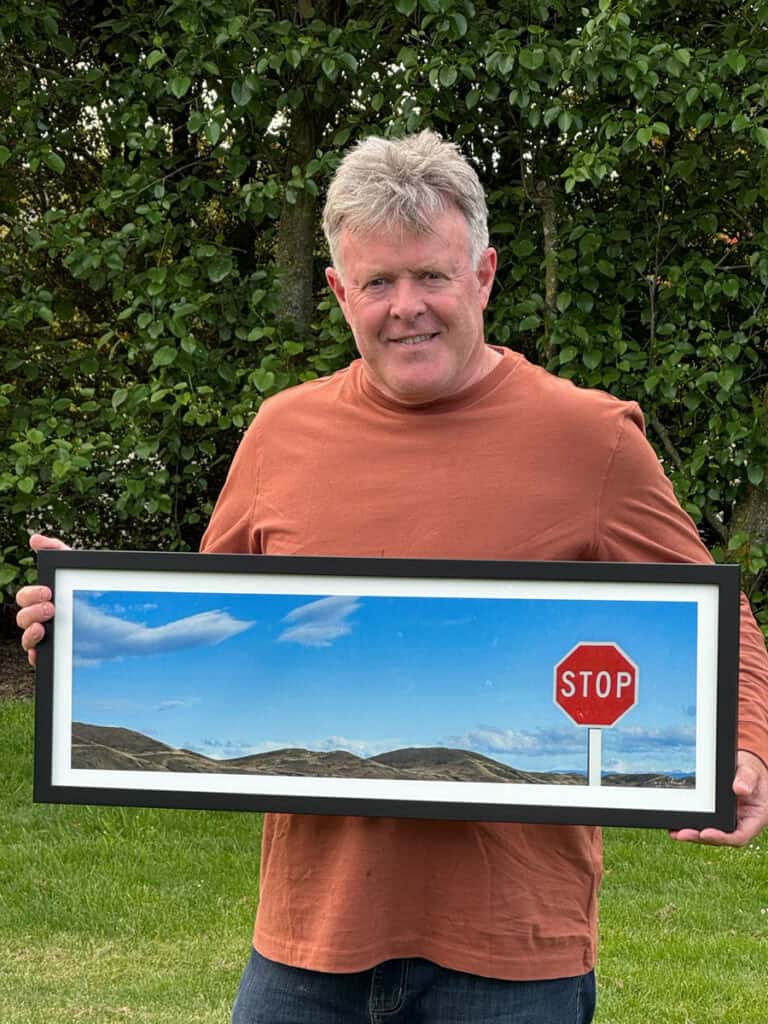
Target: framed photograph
point(583, 693)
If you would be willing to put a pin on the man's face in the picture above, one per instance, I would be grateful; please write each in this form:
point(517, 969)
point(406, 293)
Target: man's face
point(415, 307)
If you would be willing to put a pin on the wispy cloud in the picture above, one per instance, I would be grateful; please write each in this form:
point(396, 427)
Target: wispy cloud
point(319, 623)
point(363, 748)
point(175, 704)
point(488, 739)
point(99, 636)
point(228, 748)
point(635, 740)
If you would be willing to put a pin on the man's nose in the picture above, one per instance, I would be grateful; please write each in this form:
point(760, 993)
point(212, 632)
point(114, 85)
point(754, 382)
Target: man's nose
point(407, 299)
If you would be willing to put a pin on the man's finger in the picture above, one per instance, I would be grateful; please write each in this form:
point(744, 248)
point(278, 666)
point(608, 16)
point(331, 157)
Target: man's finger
point(28, 596)
point(39, 612)
point(32, 636)
point(746, 780)
point(743, 834)
point(39, 542)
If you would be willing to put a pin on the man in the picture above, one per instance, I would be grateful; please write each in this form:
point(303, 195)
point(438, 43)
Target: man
point(434, 444)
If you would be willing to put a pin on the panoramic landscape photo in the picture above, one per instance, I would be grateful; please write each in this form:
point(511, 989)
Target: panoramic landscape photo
point(408, 688)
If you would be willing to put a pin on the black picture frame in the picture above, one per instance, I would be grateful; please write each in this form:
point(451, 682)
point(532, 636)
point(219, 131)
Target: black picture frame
point(402, 648)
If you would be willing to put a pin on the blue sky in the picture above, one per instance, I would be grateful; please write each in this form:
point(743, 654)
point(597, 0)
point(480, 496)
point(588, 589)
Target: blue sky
point(228, 675)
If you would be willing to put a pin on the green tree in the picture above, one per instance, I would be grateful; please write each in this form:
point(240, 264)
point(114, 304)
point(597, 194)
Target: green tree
point(161, 171)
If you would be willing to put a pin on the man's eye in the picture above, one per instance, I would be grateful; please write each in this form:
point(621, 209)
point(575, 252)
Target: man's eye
point(431, 275)
point(375, 282)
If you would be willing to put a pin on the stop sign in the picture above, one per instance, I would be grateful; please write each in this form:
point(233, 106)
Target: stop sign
point(596, 683)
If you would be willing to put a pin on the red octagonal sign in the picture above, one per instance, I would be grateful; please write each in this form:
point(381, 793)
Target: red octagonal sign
point(596, 683)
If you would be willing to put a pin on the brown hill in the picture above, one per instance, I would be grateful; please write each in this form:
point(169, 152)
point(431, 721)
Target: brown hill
point(117, 749)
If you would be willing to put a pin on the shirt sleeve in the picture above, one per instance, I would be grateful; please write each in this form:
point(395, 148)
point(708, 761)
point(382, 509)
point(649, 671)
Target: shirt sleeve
point(231, 529)
point(640, 520)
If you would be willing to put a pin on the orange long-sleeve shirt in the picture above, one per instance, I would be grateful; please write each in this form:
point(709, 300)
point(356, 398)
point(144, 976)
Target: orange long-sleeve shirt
point(520, 466)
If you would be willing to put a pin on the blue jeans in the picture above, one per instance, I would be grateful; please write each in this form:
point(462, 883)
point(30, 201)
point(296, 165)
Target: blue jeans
point(410, 991)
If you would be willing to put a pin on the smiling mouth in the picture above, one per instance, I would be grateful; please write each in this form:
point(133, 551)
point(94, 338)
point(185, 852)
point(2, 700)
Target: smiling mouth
point(414, 339)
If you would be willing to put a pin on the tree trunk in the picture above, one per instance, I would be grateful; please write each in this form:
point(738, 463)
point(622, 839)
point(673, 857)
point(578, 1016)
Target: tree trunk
point(544, 195)
point(751, 517)
point(296, 231)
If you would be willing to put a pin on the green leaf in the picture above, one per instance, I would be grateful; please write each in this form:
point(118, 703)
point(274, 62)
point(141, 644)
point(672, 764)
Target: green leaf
point(531, 59)
point(262, 379)
point(54, 161)
point(329, 67)
point(118, 397)
point(164, 356)
point(474, 95)
point(761, 135)
point(563, 301)
point(644, 135)
point(241, 92)
point(736, 61)
point(5, 155)
point(154, 58)
point(179, 85)
point(7, 574)
point(739, 123)
point(219, 268)
point(447, 75)
point(727, 378)
point(26, 485)
point(607, 268)
point(730, 287)
point(704, 121)
point(756, 475)
point(568, 354)
point(461, 24)
point(660, 128)
point(592, 359)
point(60, 468)
point(522, 247)
point(564, 121)
point(406, 7)
point(213, 132)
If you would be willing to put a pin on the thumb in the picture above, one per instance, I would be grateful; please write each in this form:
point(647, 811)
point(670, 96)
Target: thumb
point(746, 779)
point(39, 542)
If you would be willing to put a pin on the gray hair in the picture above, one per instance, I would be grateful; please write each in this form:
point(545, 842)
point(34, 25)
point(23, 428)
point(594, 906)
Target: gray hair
point(407, 182)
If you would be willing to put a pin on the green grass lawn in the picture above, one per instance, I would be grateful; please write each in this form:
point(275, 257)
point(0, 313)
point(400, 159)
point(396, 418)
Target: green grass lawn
point(144, 916)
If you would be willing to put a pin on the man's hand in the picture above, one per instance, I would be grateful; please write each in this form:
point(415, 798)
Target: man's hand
point(35, 602)
point(751, 788)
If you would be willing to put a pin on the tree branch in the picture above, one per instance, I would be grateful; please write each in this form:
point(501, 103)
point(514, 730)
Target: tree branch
point(663, 434)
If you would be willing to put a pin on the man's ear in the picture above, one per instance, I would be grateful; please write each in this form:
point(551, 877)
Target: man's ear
point(486, 272)
point(333, 277)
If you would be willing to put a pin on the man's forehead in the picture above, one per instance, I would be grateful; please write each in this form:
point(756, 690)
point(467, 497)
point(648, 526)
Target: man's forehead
point(398, 246)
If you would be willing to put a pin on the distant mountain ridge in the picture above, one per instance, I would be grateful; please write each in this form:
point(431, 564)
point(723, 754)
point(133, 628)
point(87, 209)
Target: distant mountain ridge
point(113, 748)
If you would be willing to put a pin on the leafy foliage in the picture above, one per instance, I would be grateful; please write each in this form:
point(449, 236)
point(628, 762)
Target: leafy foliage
point(161, 168)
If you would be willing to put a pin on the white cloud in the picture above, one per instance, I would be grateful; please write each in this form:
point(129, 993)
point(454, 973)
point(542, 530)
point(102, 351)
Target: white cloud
point(633, 748)
point(363, 748)
point(488, 739)
point(100, 637)
point(320, 622)
point(229, 748)
point(133, 706)
point(637, 739)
